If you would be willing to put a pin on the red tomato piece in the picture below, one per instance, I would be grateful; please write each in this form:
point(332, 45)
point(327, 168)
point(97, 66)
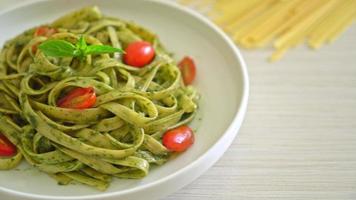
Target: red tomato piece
point(42, 31)
point(139, 54)
point(34, 48)
point(45, 31)
point(178, 139)
point(188, 69)
point(6, 147)
point(78, 98)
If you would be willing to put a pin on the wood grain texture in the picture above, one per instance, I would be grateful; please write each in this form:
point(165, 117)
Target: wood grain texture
point(298, 141)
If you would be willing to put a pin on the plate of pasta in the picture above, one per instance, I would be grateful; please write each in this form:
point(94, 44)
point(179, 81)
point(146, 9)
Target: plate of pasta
point(113, 99)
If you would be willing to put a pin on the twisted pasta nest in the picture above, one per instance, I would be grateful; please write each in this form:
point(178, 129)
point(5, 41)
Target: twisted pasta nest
point(121, 135)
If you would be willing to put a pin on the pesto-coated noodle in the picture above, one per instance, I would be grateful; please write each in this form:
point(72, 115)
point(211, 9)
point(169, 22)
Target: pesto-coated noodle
point(120, 136)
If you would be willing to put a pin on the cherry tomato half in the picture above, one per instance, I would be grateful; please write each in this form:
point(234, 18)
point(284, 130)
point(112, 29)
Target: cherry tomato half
point(188, 69)
point(6, 147)
point(45, 31)
point(178, 139)
point(42, 31)
point(78, 98)
point(34, 48)
point(139, 54)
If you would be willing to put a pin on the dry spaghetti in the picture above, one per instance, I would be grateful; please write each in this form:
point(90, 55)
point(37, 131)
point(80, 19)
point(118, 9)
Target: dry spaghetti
point(280, 23)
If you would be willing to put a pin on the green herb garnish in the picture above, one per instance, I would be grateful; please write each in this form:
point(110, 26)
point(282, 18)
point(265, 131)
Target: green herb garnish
point(62, 48)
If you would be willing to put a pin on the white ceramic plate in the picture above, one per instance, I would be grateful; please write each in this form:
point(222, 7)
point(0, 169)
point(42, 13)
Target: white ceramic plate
point(222, 81)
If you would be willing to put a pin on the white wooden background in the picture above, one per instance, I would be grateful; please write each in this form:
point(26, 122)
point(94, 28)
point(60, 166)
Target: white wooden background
point(298, 141)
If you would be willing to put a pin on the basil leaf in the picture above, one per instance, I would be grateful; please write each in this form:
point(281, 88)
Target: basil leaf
point(100, 49)
point(57, 48)
point(62, 48)
point(81, 44)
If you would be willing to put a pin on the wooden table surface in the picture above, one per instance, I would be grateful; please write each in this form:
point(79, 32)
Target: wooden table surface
point(298, 141)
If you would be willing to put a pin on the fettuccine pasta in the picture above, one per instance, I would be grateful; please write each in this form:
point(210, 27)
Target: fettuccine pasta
point(120, 136)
